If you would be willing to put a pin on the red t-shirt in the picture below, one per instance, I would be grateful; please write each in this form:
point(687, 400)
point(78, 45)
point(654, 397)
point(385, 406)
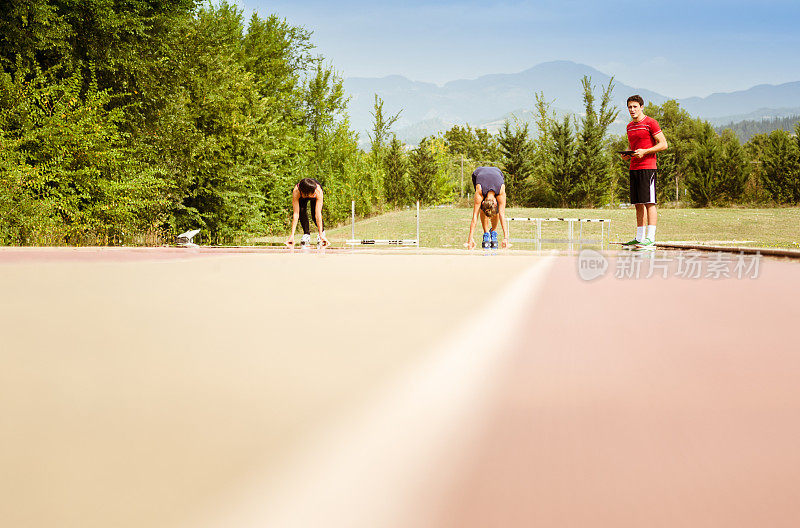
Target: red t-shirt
point(642, 135)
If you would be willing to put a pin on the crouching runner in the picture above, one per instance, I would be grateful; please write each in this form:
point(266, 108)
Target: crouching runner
point(307, 190)
point(490, 204)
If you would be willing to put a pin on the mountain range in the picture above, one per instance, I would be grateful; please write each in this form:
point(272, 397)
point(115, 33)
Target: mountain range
point(487, 101)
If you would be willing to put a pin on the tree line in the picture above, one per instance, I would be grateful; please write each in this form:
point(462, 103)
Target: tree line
point(127, 123)
point(746, 130)
point(573, 161)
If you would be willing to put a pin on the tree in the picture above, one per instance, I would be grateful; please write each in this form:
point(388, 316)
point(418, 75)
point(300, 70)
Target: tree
point(474, 144)
point(428, 180)
point(517, 151)
point(422, 171)
point(395, 170)
point(120, 118)
point(381, 127)
point(781, 167)
point(561, 174)
point(539, 190)
point(717, 168)
point(681, 130)
point(734, 167)
point(65, 165)
point(593, 164)
point(619, 185)
point(702, 177)
point(324, 100)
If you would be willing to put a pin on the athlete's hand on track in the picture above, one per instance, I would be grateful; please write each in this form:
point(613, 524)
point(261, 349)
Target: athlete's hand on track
point(505, 244)
point(640, 153)
point(290, 241)
point(470, 244)
point(324, 241)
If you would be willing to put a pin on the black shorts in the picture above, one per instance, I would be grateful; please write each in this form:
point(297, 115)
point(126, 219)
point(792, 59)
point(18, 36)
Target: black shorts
point(643, 186)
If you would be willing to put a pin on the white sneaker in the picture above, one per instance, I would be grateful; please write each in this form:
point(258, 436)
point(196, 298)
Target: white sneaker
point(305, 240)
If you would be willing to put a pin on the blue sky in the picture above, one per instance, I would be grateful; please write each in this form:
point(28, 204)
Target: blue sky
point(677, 48)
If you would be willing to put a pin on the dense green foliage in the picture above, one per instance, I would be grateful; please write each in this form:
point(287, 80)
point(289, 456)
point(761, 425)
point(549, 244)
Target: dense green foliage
point(427, 174)
point(127, 122)
point(476, 144)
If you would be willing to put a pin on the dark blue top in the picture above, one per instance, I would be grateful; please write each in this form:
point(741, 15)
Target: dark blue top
point(489, 178)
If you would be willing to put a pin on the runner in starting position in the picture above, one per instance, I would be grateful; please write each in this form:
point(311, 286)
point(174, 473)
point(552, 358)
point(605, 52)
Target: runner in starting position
point(307, 190)
point(490, 204)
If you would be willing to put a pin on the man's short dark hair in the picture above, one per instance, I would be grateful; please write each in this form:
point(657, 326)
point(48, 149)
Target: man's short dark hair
point(307, 186)
point(635, 98)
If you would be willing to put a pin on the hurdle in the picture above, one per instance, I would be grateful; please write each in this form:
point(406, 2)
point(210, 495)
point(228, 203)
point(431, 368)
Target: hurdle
point(353, 241)
point(570, 240)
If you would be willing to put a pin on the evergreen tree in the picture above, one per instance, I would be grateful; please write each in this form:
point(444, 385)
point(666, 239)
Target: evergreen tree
point(562, 176)
point(702, 177)
point(422, 172)
point(381, 127)
point(681, 131)
point(539, 191)
point(593, 164)
point(395, 170)
point(781, 167)
point(324, 100)
point(517, 151)
point(734, 167)
point(427, 172)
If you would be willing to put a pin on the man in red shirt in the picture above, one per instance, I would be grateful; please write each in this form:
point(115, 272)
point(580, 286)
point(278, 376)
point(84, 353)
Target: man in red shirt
point(645, 138)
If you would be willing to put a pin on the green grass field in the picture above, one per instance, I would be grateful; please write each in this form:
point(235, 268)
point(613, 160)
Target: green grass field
point(447, 227)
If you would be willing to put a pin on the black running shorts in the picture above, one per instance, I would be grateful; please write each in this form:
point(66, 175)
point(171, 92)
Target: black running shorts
point(643, 186)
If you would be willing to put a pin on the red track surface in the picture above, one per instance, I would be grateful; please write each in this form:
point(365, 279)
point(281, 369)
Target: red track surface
point(633, 403)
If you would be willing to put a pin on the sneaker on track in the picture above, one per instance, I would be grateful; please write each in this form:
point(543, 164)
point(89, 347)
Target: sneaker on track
point(493, 239)
point(486, 241)
point(631, 243)
point(305, 240)
point(646, 244)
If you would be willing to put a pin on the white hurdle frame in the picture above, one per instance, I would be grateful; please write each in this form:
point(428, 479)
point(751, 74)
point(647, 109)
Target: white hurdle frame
point(371, 241)
point(570, 232)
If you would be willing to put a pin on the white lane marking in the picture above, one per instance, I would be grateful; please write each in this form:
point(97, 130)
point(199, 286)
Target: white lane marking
point(372, 470)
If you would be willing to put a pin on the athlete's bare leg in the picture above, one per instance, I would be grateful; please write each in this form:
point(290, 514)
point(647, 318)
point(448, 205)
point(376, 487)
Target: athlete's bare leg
point(652, 214)
point(640, 215)
point(495, 218)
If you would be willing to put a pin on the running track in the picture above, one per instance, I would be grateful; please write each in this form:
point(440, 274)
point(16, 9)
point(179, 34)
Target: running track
point(656, 403)
point(612, 403)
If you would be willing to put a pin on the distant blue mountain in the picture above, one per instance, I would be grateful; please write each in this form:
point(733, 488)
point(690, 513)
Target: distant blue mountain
point(428, 108)
point(761, 97)
point(478, 100)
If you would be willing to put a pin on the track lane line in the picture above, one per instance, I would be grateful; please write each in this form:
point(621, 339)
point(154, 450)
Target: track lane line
point(387, 463)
